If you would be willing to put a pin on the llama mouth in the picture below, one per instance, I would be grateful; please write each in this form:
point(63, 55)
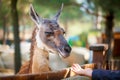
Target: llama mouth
point(62, 54)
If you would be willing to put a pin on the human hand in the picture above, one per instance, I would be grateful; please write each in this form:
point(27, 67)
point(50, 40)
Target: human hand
point(80, 71)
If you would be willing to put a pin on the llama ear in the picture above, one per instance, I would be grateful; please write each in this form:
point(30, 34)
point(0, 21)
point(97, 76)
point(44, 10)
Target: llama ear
point(56, 17)
point(35, 17)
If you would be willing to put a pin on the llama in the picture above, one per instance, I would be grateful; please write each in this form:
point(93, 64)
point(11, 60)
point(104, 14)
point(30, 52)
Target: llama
point(47, 37)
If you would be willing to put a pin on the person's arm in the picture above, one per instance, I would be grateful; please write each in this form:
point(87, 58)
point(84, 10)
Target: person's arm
point(99, 74)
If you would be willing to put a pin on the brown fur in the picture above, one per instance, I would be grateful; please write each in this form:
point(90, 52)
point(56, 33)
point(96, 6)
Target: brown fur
point(27, 67)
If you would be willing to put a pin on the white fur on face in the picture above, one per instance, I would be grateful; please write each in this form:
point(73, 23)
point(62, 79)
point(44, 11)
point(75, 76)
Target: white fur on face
point(38, 40)
point(41, 45)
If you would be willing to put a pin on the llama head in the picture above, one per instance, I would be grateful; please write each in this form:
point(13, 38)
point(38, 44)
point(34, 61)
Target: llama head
point(49, 34)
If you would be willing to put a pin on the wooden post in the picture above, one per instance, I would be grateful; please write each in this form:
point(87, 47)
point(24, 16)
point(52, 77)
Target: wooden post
point(99, 55)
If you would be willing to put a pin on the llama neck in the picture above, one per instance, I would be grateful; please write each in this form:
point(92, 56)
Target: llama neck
point(40, 61)
point(39, 57)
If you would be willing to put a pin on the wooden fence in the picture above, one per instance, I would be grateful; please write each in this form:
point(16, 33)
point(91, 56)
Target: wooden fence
point(99, 62)
point(53, 75)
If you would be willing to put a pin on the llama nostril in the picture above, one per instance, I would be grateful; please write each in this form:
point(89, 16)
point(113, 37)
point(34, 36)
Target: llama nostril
point(67, 49)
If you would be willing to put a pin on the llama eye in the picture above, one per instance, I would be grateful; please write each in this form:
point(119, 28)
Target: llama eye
point(64, 32)
point(48, 34)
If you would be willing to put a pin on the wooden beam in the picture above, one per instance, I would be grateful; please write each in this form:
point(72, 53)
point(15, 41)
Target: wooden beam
point(52, 75)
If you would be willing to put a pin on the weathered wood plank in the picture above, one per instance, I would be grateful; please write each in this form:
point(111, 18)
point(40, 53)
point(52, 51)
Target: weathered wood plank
point(54, 75)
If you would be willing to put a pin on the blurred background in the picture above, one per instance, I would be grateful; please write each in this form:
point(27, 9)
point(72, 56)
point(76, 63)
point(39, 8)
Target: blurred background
point(86, 22)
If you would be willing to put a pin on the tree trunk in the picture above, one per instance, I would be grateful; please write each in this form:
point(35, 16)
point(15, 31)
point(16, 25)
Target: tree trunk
point(4, 30)
point(109, 34)
point(17, 57)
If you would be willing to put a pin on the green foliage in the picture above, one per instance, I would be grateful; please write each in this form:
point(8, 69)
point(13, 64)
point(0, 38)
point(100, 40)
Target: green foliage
point(4, 11)
point(45, 8)
point(48, 8)
point(79, 40)
point(71, 13)
point(108, 5)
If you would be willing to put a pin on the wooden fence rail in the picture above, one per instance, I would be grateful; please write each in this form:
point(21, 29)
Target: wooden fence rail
point(53, 75)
